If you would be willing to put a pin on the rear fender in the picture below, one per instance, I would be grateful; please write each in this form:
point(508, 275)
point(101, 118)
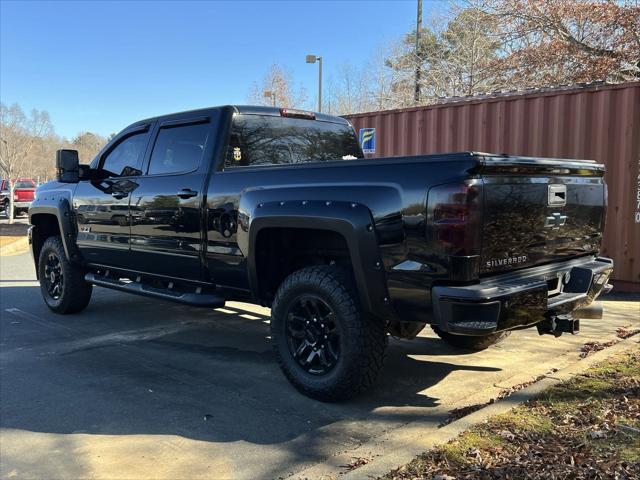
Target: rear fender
point(353, 221)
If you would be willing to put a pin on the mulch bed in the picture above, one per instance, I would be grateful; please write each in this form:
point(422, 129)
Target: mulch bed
point(13, 230)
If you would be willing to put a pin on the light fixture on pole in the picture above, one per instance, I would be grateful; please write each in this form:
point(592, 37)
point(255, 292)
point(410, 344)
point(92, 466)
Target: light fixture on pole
point(270, 94)
point(314, 59)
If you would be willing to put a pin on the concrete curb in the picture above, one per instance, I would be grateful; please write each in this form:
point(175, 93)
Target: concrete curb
point(402, 445)
point(15, 248)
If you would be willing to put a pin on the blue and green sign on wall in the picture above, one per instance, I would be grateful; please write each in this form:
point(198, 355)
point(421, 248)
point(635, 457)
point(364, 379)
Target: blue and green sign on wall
point(368, 140)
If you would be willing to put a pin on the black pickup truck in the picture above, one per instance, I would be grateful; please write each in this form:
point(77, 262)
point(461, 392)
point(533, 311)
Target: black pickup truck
point(280, 208)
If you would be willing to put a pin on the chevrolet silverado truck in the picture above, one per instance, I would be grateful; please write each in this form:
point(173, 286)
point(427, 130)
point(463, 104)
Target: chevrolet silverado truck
point(279, 207)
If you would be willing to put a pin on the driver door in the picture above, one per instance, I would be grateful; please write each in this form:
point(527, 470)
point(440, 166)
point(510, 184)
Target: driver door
point(102, 205)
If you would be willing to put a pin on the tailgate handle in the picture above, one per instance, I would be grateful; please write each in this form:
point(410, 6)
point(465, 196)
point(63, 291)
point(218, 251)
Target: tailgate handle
point(557, 195)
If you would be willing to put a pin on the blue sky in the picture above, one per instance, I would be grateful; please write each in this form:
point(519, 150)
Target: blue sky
point(99, 66)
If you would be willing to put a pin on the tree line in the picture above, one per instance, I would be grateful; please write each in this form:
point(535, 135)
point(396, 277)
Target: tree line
point(481, 47)
point(28, 143)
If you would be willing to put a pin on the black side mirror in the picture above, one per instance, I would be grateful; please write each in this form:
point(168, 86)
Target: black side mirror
point(68, 166)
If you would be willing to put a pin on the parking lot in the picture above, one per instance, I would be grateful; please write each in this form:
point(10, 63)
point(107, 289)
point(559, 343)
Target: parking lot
point(134, 387)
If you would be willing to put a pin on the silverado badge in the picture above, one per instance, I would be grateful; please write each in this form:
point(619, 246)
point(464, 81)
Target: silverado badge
point(500, 262)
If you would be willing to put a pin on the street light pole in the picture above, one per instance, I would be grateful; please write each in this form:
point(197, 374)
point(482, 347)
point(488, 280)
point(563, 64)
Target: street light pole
point(319, 84)
point(314, 59)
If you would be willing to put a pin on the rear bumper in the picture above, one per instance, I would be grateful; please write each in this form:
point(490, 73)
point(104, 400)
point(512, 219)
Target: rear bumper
point(522, 298)
point(21, 205)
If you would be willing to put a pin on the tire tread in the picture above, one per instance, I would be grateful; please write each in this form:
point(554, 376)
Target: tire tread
point(366, 361)
point(77, 293)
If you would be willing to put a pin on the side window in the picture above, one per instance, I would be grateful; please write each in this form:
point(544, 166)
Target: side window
point(179, 149)
point(128, 153)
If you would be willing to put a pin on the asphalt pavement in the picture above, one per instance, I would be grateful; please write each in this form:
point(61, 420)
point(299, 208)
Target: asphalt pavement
point(139, 388)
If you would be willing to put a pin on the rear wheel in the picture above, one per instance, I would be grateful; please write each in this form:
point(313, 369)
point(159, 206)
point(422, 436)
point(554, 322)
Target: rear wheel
point(326, 346)
point(62, 284)
point(470, 342)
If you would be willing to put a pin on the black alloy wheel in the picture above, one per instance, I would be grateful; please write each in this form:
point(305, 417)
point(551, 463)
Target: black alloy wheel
point(312, 335)
point(54, 276)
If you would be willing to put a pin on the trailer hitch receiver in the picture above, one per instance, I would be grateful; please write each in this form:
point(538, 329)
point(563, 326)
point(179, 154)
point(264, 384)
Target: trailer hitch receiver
point(556, 326)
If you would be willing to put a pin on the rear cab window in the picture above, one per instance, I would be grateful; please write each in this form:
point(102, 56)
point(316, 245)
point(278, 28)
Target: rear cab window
point(272, 140)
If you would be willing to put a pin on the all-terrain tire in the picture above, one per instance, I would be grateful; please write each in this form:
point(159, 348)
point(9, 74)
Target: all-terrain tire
point(470, 342)
point(362, 339)
point(72, 294)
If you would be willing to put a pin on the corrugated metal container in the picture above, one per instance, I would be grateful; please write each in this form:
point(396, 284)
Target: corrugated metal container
point(597, 122)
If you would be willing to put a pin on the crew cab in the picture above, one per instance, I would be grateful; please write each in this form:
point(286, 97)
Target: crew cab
point(280, 208)
point(23, 192)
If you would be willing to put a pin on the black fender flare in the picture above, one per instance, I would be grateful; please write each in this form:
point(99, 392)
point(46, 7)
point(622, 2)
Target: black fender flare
point(351, 220)
point(58, 206)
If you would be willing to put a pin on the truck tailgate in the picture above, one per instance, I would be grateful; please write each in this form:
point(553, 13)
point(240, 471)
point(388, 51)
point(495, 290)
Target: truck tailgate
point(24, 194)
point(537, 211)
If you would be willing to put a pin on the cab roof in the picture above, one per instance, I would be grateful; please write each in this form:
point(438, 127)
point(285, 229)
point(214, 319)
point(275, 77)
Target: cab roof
point(241, 109)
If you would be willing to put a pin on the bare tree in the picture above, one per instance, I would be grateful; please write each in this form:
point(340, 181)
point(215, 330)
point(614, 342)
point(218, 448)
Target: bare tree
point(551, 42)
point(88, 145)
point(278, 81)
point(458, 56)
point(18, 135)
point(350, 90)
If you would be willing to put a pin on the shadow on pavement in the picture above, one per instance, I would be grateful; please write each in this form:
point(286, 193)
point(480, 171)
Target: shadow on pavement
point(128, 366)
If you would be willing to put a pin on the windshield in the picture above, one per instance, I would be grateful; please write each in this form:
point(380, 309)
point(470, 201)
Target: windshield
point(24, 184)
point(270, 140)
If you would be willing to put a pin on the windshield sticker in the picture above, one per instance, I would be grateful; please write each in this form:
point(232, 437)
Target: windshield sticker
point(237, 154)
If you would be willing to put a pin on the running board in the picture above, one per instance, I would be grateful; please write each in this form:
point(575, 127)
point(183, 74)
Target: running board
point(194, 299)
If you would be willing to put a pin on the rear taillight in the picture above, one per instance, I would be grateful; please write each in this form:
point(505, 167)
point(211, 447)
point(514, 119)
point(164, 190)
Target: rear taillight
point(454, 223)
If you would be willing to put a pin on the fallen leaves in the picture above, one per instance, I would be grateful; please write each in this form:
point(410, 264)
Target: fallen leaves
point(590, 348)
point(357, 462)
point(623, 332)
point(586, 428)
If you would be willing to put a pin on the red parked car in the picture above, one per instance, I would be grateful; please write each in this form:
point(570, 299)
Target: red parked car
point(23, 193)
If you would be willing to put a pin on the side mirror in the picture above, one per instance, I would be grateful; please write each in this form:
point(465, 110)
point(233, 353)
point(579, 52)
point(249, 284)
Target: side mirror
point(68, 166)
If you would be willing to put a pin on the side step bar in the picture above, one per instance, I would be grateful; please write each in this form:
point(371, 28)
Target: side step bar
point(210, 300)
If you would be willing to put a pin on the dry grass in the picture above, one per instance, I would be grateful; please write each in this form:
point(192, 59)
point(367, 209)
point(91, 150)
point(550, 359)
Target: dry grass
point(586, 428)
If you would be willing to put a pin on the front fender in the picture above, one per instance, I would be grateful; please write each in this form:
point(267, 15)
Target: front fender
point(353, 221)
point(58, 205)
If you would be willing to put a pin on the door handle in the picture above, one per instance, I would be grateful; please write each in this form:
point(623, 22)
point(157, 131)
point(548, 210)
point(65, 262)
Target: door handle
point(187, 193)
point(119, 195)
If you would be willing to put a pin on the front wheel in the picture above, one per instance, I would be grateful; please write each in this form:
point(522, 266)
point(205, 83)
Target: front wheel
point(61, 283)
point(327, 347)
point(470, 342)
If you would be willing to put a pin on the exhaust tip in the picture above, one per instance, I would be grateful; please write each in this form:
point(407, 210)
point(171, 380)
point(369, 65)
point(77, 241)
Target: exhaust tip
point(595, 311)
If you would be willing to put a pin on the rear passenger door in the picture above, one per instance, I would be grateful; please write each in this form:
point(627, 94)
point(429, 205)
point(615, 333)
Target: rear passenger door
point(166, 208)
